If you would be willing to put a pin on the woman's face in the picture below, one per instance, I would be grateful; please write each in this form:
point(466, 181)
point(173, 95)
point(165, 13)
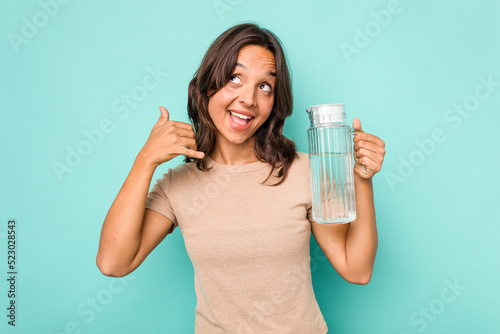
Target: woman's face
point(248, 93)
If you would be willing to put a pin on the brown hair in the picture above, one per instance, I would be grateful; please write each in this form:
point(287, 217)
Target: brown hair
point(214, 72)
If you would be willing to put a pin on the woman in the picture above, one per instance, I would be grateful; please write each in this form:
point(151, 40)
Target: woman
point(242, 198)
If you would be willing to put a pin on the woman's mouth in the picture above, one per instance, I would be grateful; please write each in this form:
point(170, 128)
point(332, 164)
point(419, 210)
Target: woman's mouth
point(238, 121)
point(239, 118)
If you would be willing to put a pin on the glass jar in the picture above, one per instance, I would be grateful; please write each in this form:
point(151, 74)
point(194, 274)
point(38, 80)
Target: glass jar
point(331, 165)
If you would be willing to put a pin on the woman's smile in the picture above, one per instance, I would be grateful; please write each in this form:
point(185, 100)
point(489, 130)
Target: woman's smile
point(239, 121)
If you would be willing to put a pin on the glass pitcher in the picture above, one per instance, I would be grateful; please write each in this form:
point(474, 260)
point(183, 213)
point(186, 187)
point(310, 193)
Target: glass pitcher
point(331, 165)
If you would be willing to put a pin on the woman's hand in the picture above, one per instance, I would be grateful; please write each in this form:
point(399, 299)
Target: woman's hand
point(169, 139)
point(369, 151)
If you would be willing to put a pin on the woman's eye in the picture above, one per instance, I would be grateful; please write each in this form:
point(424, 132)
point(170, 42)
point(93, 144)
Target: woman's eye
point(234, 78)
point(266, 87)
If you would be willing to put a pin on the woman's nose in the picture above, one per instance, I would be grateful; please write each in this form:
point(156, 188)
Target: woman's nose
point(247, 96)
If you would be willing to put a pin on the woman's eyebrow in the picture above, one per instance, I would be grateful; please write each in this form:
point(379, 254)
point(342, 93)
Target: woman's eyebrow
point(271, 73)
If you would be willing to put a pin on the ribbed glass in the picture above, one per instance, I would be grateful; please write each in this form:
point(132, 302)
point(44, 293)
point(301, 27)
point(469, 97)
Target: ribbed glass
point(331, 166)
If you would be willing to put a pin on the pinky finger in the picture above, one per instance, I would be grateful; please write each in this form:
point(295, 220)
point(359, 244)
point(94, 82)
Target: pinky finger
point(193, 153)
point(368, 164)
point(363, 167)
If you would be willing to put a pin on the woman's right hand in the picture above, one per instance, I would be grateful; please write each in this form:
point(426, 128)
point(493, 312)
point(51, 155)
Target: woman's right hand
point(169, 139)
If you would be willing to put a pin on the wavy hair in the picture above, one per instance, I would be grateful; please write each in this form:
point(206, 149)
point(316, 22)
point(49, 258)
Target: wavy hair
point(215, 71)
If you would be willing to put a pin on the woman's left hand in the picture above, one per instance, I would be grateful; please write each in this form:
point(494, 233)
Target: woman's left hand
point(369, 151)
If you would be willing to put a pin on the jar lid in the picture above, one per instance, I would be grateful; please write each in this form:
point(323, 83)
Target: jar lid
point(326, 113)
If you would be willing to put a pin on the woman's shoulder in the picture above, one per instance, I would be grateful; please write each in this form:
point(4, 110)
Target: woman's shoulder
point(300, 165)
point(303, 156)
point(179, 173)
point(302, 160)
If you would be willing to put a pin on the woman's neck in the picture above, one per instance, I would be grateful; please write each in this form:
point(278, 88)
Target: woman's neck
point(234, 154)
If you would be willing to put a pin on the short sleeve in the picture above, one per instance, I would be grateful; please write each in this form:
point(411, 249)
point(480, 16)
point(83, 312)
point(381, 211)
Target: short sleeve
point(158, 201)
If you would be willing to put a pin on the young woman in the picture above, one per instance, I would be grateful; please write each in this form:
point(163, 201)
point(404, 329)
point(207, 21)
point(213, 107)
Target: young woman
point(242, 199)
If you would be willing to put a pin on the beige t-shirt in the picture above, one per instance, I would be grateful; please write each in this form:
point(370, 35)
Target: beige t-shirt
point(249, 245)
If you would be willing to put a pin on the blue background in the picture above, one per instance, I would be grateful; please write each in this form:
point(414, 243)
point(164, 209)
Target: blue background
point(403, 76)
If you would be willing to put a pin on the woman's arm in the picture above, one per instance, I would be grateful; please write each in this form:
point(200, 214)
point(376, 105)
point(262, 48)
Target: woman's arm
point(130, 232)
point(351, 248)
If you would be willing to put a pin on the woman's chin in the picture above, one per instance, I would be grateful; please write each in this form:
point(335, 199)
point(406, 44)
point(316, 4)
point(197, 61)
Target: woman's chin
point(237, 140)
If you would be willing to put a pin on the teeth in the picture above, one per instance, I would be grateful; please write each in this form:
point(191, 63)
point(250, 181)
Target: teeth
point(239, 115)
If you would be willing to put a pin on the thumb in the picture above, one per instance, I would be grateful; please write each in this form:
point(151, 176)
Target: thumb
point(163, 117)
point(356, 123)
